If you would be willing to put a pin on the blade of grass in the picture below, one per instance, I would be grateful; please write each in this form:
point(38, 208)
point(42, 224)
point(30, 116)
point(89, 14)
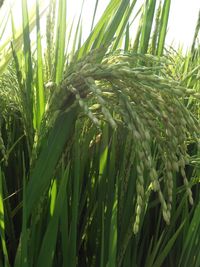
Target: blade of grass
point(49, 241)
point(94, 14)
point(149, 9)
point(105, 18)
point(125, 20)
point(27, 56)
point(40, 97)
point(191, 238)
point(60, 41)
point(127, 38)
point(72, 246)
point(24, 235)
point(6, 50)
point(114, 24)
point(21, 254)
point(102, 237)
point(160, 259)
point(64, 222)
point(52, 148)
point(156, 31)
point(112, 259)
point(2, 223)
point(163, 26)
point(3, 24)
point(77, 32)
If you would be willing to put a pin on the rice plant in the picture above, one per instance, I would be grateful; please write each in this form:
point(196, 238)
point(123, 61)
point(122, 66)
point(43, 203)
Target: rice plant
point(99, 141)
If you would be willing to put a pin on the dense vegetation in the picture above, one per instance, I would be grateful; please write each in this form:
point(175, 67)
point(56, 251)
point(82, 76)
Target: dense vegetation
point(99, 141)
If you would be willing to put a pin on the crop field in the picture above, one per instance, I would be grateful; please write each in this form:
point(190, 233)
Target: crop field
point(99, 139)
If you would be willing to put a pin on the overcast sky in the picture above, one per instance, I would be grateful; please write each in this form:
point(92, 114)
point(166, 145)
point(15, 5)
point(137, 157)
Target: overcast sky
point(182, 21)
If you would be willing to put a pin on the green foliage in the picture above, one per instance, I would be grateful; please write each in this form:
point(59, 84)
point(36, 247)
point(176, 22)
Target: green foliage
point(98, 145)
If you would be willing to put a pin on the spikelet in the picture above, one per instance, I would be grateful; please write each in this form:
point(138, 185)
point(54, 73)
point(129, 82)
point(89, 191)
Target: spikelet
point(140, 195)
point(150, 107)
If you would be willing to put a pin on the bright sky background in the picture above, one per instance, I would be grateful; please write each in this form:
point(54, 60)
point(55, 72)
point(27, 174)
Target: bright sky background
point(183, 17)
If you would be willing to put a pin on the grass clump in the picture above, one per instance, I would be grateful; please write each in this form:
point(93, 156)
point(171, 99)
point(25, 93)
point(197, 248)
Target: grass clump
point(99, 144)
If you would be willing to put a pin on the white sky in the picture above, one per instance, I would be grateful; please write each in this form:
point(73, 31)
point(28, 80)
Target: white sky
point(183, 17)
point(182, 22)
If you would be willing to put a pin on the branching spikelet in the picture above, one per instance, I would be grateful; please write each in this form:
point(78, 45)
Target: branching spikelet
point(149, 106)
point(186, 183)
point(140, 195)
